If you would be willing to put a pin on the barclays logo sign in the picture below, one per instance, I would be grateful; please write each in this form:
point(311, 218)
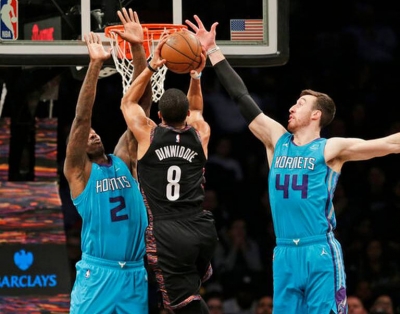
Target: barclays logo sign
point(23, 259)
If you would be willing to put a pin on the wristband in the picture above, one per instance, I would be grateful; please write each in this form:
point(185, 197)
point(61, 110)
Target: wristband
point(212, 50)
point(195, 75)
point(151, 68)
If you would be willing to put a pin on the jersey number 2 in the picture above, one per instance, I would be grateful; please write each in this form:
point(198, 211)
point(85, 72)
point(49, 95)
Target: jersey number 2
point(114, 212)
point(294, 184)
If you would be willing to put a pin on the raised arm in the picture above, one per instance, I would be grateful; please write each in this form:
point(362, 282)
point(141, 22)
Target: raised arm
point(195, 97)
point(77, 165)
point(194, 94)
point(134, 35)
point(134, 115)
point(126, 148)
point(263, 127)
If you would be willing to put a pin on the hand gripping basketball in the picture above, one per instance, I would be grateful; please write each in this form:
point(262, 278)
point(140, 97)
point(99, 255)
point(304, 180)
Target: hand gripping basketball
point(182, 52)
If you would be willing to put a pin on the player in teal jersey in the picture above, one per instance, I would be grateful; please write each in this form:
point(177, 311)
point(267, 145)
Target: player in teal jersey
point(308, 269)
point(111, 276)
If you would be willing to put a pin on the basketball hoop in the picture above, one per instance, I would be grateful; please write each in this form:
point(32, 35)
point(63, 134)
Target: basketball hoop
point(122, 55)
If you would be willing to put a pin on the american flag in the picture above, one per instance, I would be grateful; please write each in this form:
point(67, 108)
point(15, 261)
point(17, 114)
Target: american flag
point(246, 29)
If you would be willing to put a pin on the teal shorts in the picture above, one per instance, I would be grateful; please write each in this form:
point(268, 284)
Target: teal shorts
point(309, 276)
point(103, 286)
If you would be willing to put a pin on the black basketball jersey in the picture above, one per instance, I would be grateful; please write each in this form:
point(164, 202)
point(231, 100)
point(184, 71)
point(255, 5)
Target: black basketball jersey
point(171, 172)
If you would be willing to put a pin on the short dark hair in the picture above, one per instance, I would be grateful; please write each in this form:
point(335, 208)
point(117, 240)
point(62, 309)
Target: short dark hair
point(323, 103)
point(173, 106)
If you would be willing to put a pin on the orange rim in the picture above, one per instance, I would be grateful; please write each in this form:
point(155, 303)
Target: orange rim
point(151, 32)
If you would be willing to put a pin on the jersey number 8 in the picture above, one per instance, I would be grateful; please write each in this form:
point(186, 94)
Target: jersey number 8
point(173, 187)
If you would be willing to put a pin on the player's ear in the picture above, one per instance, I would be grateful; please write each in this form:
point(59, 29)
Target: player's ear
point(188, 113)
point(159, 115)
point(316, 114)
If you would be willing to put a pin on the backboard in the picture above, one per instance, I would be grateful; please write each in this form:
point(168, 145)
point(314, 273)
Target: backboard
point(49, 33)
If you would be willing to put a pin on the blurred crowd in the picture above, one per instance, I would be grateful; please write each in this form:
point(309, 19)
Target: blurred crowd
point(347, 49)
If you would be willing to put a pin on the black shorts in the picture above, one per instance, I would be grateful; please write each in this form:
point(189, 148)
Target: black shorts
point(179, 252)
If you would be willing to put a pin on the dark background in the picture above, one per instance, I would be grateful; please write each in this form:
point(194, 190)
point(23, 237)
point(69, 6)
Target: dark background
point(347, 49)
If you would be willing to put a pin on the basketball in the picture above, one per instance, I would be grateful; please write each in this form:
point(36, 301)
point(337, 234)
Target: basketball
point(182, 51)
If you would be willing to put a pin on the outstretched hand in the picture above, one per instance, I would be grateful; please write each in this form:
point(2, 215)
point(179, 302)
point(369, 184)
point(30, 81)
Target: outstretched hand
point(133, 29)
point(207, 38)
point(95, 48)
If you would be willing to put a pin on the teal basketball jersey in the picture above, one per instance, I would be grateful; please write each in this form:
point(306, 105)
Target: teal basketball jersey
point(301, 188)
point(114, 218)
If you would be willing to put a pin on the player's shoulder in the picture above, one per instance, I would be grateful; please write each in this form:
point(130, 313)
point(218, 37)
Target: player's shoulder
point(118, 161)
point(201, 126)
point(338, 142)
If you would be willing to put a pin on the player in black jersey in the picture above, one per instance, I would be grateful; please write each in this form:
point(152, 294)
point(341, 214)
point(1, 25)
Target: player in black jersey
point(181, 237)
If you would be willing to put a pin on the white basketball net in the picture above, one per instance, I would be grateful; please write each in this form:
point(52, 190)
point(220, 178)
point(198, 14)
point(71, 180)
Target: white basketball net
point(125, 67)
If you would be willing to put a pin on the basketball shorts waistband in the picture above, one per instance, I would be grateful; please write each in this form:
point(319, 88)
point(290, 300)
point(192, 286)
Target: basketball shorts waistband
point(304, 240)
point(124, 265)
